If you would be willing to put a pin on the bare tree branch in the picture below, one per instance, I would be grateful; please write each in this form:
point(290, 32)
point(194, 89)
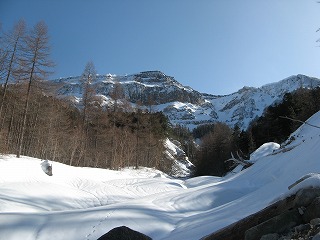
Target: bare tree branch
point(297, 120)
point(239, 160)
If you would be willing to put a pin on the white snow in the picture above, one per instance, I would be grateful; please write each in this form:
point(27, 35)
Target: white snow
point(264, 150)
point(84, 203)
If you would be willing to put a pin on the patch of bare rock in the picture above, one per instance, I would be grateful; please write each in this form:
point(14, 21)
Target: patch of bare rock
point(295, 217)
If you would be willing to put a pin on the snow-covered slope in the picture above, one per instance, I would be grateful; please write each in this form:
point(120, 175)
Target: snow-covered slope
point(181, 166)
point(83, 203)
point(184, 105)
point(242, 107)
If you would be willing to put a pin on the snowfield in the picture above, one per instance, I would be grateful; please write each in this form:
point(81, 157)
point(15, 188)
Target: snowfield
point(85, 203)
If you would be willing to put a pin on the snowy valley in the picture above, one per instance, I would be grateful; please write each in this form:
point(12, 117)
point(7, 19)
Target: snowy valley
point(84, 203)
point(141, 156)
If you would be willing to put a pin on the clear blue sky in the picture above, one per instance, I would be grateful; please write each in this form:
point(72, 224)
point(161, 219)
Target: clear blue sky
point(214, 46)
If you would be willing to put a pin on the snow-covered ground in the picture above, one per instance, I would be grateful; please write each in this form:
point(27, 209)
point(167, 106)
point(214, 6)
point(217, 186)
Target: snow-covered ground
point(83, 203)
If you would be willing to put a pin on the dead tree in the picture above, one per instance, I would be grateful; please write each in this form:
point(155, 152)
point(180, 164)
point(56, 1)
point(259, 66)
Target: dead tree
point(239, 161)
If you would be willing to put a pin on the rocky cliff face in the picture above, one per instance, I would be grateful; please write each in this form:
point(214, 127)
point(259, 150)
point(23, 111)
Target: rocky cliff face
point(152, 87)
point(184, 105)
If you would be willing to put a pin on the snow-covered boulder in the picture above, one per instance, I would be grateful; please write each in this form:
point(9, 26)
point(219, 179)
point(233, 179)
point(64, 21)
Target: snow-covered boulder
point(264, 150)
point(46, 167)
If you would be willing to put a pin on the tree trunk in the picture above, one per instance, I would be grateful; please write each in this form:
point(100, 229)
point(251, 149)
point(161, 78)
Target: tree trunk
point(25, 112)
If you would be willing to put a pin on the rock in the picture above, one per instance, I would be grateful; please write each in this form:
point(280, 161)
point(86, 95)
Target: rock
point(305, 196)
point(271, 236)
point(294, 217)
point(301, 210)
point(278, 224)
point(124, 233)
point(315, 221)
point(302, 227)
point(313, 210)
point(46, 167)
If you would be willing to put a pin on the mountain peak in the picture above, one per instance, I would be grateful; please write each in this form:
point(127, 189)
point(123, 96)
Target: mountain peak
point(246, 89)
point(144, 87)
point(151, 74)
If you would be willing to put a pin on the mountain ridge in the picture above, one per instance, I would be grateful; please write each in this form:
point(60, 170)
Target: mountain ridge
point(184, 105)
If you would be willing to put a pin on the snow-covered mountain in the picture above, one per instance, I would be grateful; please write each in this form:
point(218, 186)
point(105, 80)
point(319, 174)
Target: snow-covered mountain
point(183, 105)
point(85, 203)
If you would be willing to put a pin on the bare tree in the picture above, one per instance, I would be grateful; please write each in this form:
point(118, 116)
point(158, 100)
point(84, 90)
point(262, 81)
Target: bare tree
point(35, 64)
point(9, 56)
point(87, 78)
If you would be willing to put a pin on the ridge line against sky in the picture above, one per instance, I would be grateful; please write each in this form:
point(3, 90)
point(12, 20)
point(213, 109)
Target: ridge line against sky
point(213, 46)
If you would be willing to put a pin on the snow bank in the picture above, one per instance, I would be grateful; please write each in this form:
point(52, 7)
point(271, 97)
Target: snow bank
point(264, 150)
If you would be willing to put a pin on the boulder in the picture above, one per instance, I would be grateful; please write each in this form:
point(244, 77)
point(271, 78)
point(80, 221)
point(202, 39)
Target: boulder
point(124, 233)
point(305, 196)
point(278, 224)
point(312, 211)
point(315, 222)
point(46, 167)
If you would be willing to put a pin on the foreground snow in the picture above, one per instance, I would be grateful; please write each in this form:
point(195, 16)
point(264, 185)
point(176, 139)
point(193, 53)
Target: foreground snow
point(84, 203)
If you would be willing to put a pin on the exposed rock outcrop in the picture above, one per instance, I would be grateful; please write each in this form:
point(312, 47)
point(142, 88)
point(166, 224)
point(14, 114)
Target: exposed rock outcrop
point(295, 217)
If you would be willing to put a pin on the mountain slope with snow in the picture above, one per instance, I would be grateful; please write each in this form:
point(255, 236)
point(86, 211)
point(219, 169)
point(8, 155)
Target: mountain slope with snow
point(83, 203)
point(155, 91)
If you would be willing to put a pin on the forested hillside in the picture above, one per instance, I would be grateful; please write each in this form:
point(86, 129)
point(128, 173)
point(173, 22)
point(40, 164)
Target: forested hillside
point(105, 138)
point(275, 125)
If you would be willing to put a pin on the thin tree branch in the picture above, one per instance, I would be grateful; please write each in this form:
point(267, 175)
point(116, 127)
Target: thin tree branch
point(297, 120)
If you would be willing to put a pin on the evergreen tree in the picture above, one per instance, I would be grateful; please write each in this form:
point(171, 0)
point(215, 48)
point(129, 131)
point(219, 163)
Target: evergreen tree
point(215, 149)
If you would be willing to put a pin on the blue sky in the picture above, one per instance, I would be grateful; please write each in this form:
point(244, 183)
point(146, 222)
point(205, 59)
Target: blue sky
point(214, 46)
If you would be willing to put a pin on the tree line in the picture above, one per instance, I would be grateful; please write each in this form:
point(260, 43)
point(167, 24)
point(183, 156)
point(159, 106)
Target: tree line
point(97, 137)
